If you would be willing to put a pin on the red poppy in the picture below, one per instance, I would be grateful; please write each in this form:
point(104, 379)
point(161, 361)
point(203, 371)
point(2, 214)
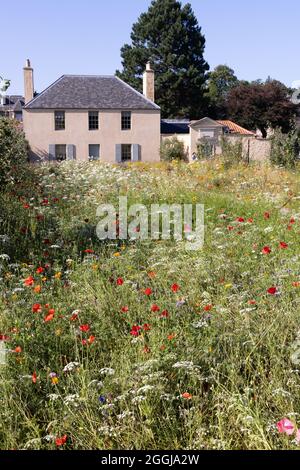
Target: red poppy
point(89, 251)
point(155, 308)
point(48, 318)
point(171, 337)
point(120, 281)
point(266, 250)
point(85, 328)
point(208, 308)
point(175, 287)
point(146, 327)
point(125, 309)
point(40, 270)
point(34, 378)
point(4, 338)
point(240, 219)
point(74, 317)
point(292, 221)
point(252, 302)
point(135, 330)
point(187, 396)
point(164, 314)
point(148, 291)
point(250, 221)
point(60, 441)
point(26, 206)
point(152, 274)
point(91, 339)
point(267, 215)
point(18, 349)
point(36, 308)
point(272, 290)
point(230, 228)
point(50, 315)
point(29, 281)
point(283, 245)
point(296, 284)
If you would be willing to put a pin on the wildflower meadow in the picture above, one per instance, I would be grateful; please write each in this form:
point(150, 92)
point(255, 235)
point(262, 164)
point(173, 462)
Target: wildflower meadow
point(141, 344)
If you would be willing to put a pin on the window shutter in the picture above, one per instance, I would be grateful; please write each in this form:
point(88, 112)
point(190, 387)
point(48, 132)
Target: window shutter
point(136, 153)
point(71, 152)
point(51, 152)
point(118, 153)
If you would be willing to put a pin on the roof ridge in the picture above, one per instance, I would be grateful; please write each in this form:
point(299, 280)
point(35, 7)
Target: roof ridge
point(88, 76)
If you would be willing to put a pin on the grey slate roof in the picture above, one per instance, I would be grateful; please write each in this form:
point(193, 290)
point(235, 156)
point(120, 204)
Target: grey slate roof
point(13, 103)
point(175, 126)
point(90, 92)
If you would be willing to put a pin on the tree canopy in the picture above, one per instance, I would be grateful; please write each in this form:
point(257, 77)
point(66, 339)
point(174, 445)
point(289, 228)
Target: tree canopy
point(220, 81)
point(261, 105)
point(169, 35)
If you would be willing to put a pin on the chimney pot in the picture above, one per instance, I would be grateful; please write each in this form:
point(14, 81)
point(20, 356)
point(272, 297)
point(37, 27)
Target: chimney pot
point(148, 82)
point(28, 82)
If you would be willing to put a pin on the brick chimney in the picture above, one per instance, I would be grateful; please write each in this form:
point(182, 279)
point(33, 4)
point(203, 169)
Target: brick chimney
point(28, 82)
point(148, 83)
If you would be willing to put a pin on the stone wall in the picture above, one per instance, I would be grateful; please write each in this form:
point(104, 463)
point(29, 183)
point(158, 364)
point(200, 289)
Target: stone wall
point(254, 149)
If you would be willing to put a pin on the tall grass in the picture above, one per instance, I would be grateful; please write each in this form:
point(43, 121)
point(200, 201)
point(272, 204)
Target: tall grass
point(212, 366)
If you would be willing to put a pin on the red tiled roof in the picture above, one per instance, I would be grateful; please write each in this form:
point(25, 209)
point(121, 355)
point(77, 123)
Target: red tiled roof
point(235, 128)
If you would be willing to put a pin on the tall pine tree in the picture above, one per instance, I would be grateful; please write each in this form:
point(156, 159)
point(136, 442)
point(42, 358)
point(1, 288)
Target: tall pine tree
point(170, 37)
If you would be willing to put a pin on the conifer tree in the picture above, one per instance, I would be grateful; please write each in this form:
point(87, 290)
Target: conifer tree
point(169, 35)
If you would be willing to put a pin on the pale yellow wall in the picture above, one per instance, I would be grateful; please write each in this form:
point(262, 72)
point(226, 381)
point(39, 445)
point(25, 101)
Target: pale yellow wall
point(145, 131)
point(185, 138)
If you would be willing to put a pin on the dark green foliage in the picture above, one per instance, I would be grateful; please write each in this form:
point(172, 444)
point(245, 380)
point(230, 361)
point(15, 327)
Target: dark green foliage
point(13, 151)
point(261, 105)
point(169, 36)
point(221, 80)
point(285, 149)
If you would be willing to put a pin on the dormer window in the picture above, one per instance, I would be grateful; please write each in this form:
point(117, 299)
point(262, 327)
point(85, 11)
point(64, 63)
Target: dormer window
point(59, 118)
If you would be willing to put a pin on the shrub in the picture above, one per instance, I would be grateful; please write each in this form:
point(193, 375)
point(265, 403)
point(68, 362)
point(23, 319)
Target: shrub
point(172, 149)
point(285, 149)
point(205, 149)
point(232, 152)
point(13, 151)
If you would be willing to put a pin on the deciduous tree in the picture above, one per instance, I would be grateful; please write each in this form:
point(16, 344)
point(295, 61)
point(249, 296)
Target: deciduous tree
point(262, 105)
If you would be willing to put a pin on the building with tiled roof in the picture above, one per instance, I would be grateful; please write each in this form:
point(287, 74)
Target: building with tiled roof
point(234, 128)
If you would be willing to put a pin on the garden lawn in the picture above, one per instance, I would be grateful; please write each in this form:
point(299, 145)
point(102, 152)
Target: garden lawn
point(144, 345)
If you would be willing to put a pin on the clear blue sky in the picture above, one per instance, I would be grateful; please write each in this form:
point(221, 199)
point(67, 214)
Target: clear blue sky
point(256, 38)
